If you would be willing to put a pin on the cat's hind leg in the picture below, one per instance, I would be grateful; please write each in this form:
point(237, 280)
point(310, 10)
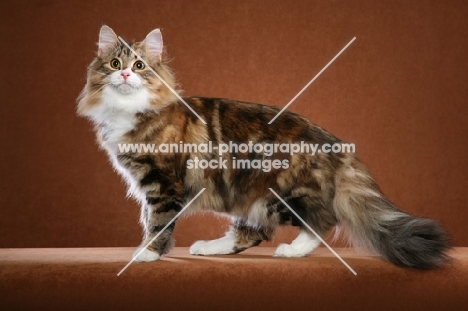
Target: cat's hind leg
point(304, 244)
point(238, 238)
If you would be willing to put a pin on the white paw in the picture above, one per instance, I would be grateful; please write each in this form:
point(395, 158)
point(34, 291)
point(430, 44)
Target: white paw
point(302, 245)
point(287, 250)
point(144, 255)
point(222, 246)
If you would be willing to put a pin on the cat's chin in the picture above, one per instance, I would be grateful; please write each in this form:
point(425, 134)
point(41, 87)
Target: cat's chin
point(126, 89)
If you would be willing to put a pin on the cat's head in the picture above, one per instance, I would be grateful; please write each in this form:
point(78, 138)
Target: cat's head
point(121, 79)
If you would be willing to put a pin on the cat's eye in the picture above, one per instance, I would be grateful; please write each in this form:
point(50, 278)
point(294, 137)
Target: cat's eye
point(139, 65)
point(115, 63)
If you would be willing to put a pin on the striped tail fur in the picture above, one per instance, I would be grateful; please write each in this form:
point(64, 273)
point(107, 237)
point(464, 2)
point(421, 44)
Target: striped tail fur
point(372, 223)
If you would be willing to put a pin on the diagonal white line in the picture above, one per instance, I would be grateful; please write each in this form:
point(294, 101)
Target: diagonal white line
point(159, 233)
point(162, 80)
point(311, 81)
point(312, 230)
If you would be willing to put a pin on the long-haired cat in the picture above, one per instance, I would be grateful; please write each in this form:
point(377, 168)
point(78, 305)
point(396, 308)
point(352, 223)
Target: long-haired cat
point(129, 104)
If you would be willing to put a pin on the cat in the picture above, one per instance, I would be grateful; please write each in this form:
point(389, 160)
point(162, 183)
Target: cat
point(129, 104)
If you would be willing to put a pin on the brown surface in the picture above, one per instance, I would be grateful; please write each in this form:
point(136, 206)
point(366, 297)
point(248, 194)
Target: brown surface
point(399, 92)
point(84, 279)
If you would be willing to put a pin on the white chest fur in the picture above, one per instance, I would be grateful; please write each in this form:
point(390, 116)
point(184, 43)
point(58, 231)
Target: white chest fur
point(115, 115)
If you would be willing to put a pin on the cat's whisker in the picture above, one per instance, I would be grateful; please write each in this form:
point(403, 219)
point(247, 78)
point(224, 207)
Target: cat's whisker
point(99, 89)
point(101, 73)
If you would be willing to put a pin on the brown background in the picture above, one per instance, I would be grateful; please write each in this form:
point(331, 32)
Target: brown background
point(398, 92)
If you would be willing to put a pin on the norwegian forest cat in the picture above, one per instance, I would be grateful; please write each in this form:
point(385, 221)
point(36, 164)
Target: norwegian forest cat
point(129, 104)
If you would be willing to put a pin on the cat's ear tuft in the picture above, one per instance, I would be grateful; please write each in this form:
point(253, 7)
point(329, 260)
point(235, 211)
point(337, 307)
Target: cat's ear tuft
point(108, 40)
point(154, 44)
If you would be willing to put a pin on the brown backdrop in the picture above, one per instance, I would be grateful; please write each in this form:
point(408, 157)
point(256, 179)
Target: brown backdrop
point(398, 92)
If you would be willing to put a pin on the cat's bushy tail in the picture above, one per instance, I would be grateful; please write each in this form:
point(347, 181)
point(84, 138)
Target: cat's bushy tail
point(371, 222)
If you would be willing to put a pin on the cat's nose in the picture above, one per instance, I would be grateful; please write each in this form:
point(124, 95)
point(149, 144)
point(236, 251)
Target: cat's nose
point(125, 74)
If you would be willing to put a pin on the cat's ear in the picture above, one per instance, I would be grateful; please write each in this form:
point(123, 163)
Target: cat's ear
point(154, 44)
point(108, 40)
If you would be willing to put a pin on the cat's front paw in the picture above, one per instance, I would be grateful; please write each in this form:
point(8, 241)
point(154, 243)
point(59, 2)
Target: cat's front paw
point(287, 250)
point(144, 255)
point(199, 248)
point(221, 246)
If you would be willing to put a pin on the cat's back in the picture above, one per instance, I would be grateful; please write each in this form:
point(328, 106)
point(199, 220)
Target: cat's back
point(234, 120)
